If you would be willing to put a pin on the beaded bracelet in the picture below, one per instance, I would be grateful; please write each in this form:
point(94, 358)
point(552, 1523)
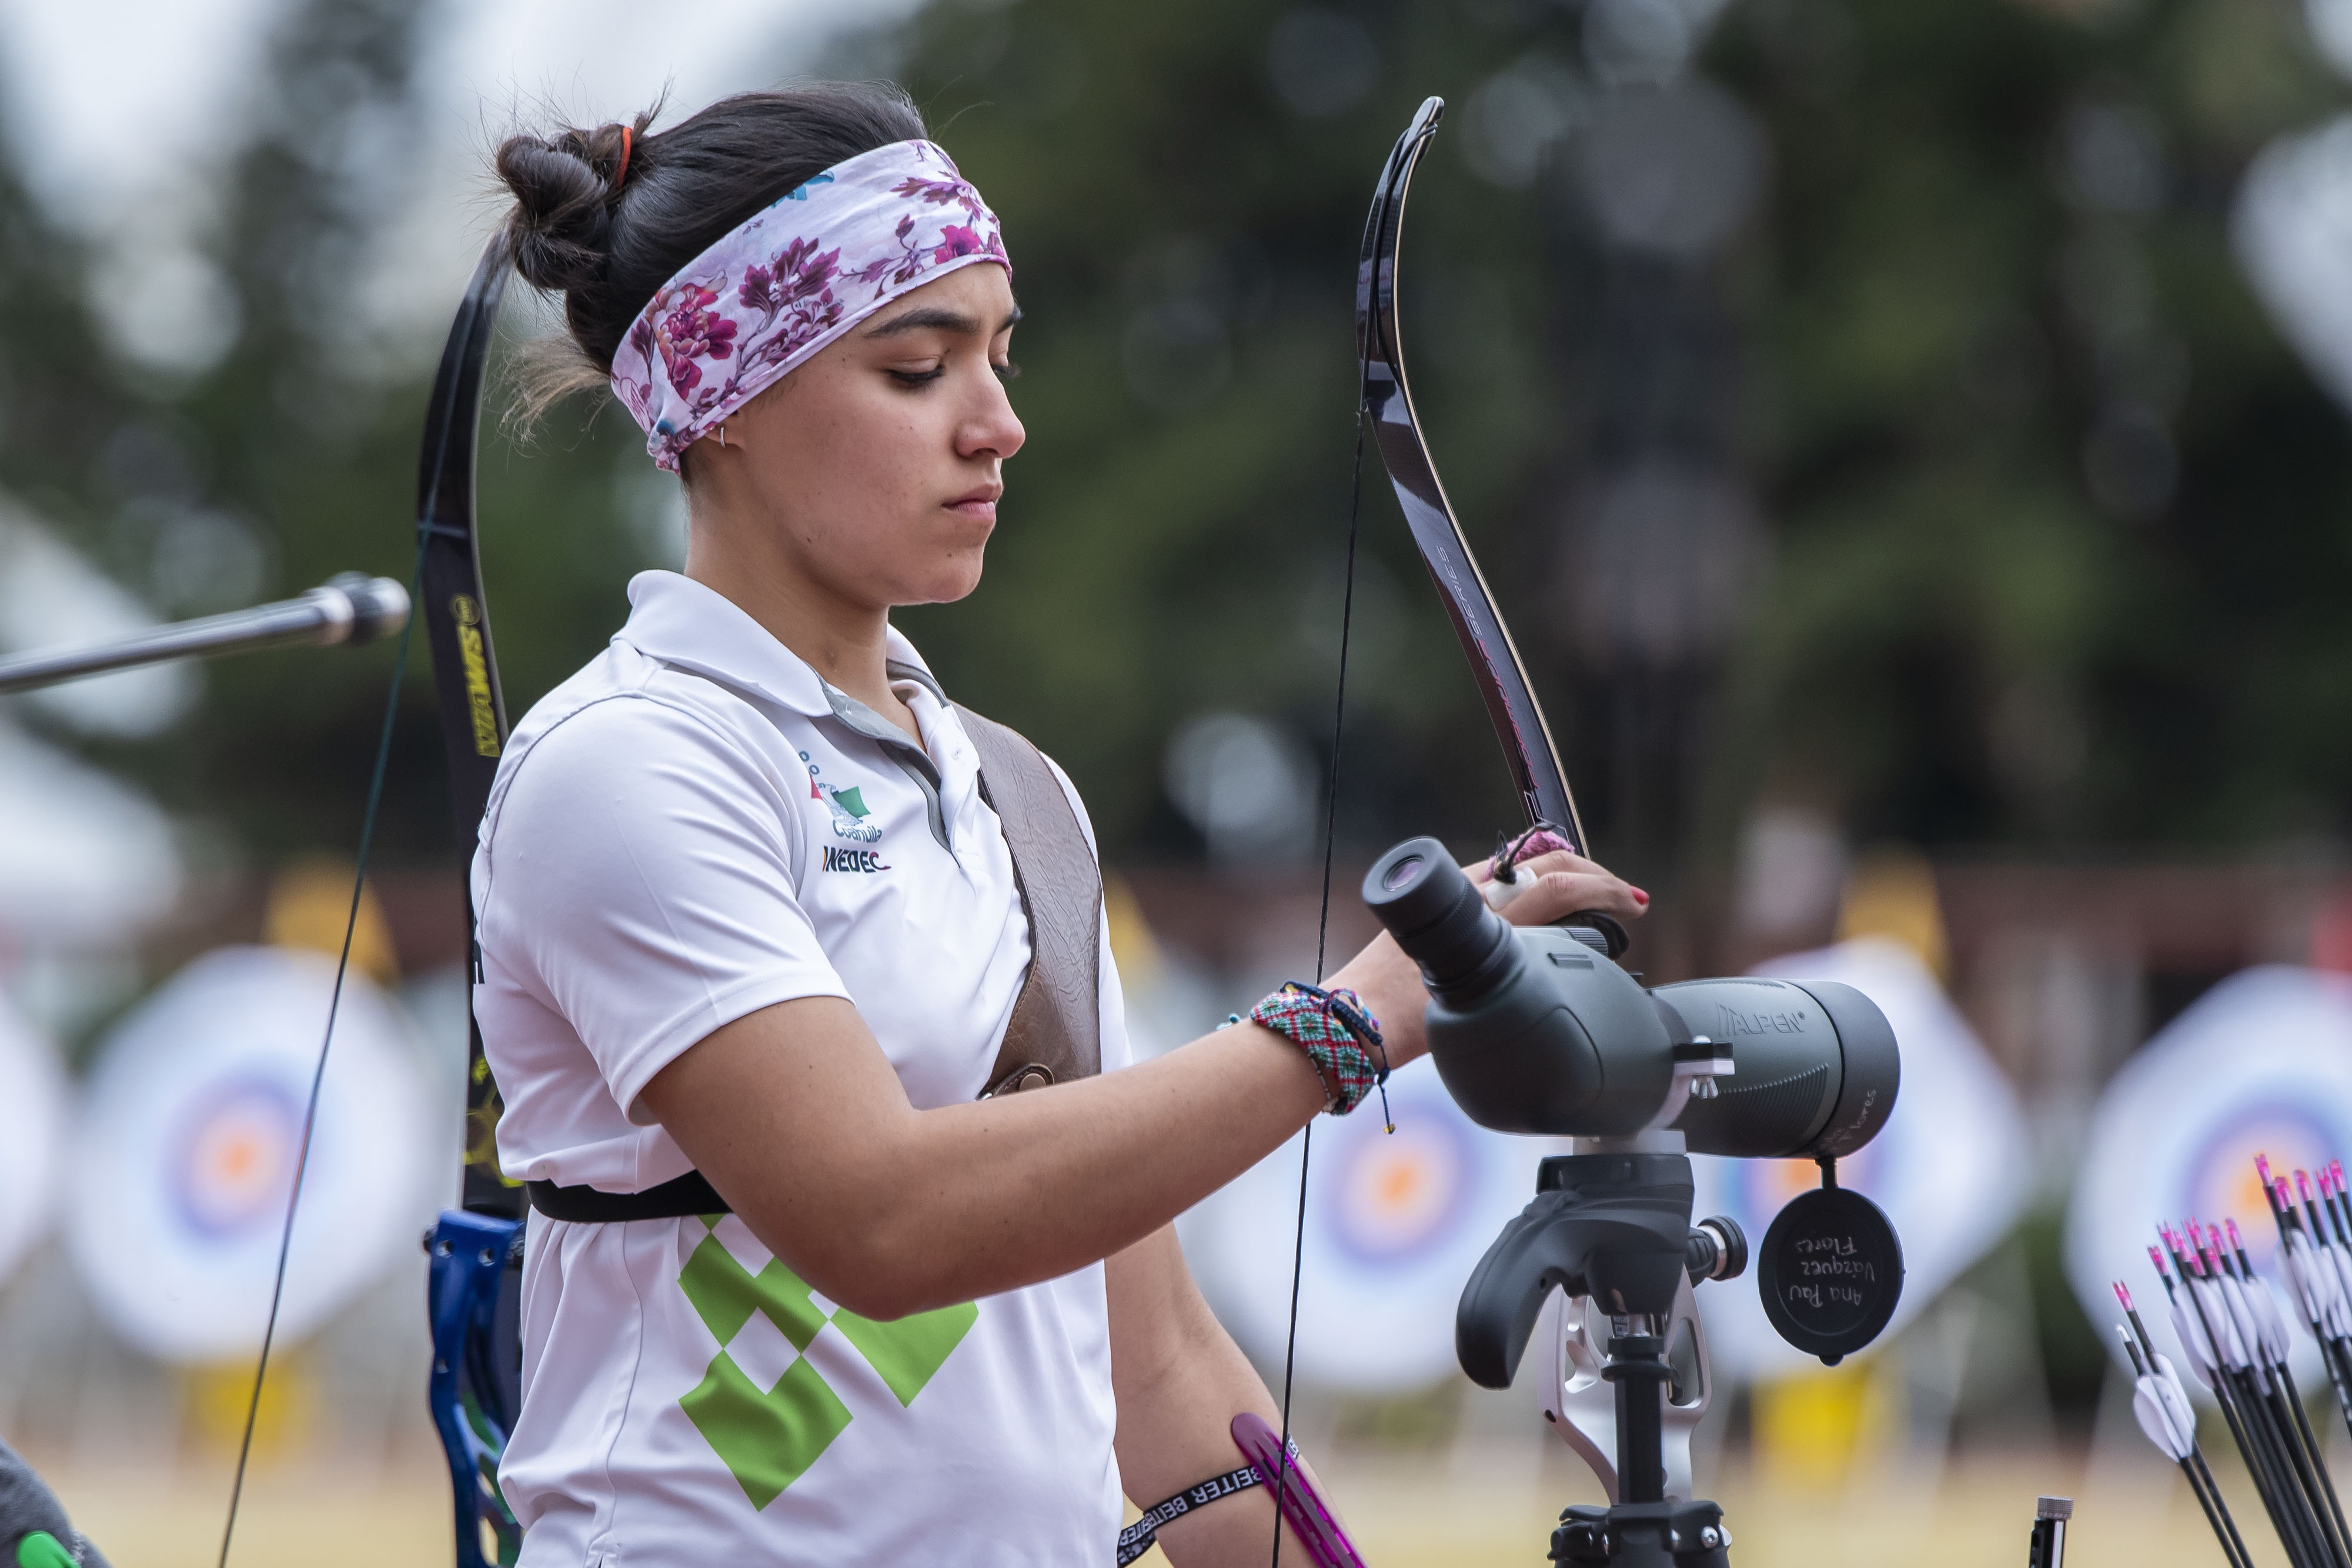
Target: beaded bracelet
point(1338, 1033)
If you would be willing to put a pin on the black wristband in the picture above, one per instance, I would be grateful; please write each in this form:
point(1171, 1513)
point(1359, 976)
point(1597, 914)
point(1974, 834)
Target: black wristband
point(1137, 1538)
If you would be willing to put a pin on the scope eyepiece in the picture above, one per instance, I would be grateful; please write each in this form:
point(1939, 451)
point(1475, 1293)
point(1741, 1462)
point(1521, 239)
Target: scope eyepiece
point(1436, 914)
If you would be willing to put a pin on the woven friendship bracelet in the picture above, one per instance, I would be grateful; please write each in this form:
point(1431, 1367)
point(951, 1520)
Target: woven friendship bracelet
point(1337, 1034)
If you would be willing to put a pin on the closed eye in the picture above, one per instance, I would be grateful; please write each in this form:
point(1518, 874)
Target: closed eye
point(919, 378)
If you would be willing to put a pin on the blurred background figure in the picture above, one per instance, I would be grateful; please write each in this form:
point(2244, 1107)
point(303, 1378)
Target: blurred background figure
point(1909, 436)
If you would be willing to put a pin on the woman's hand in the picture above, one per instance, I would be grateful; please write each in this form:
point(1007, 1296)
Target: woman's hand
point(1556, 883)
point(1564, 884)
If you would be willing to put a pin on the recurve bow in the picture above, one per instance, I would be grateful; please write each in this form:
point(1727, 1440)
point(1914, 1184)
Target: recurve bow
point(475, 1286)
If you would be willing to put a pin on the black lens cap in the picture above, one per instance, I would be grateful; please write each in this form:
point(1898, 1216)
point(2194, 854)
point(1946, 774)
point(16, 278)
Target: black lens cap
point(1830, 1273)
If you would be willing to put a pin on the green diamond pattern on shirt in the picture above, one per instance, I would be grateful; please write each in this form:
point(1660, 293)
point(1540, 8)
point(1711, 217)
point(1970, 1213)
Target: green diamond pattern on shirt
point(767, 1440)
point(726, 1295)
point(907, 1351)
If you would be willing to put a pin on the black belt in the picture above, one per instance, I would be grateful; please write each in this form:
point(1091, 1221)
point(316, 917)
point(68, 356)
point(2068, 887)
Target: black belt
point(688, 1194)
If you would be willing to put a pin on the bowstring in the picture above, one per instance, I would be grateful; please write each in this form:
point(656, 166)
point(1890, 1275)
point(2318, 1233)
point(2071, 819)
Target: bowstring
point(1322, 939)
point(319, 1072)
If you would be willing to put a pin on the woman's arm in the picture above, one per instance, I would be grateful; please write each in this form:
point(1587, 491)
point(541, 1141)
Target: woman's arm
point(1180, 1381)
point(794, 1114)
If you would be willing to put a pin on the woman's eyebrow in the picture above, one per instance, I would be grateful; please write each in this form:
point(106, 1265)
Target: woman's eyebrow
point(939, 319)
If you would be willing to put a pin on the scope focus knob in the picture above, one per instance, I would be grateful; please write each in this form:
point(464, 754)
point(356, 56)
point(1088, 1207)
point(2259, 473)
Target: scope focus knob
point(1600, 932)
point(1716, 1250)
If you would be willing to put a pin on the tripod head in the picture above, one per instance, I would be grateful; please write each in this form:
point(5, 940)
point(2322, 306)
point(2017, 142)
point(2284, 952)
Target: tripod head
point(1616, 1227)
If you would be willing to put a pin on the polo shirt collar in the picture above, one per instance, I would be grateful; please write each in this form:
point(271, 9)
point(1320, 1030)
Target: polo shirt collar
point(684, 623)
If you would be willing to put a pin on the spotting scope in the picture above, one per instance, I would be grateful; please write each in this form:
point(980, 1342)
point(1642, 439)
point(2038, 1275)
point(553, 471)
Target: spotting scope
point(1534, 1029)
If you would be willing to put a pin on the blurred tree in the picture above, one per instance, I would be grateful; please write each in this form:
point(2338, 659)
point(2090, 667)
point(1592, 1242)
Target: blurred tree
point(58, 391)
point(2050, 519)
point(292, 454)
point(2062, 526)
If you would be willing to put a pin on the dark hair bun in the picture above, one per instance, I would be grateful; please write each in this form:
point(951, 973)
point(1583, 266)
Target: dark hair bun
point(571, 233)
point(564, 189)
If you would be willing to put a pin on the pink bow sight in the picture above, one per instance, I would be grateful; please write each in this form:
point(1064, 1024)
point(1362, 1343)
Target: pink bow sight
point(790, 279)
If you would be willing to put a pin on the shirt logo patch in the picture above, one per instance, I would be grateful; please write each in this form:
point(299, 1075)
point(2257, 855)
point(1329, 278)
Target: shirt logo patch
point(847, 807)
point(837, 858)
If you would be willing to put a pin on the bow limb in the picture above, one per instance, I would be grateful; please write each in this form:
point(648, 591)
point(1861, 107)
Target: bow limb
point(475, 1289)
point(1387, 409)
point(464, 663)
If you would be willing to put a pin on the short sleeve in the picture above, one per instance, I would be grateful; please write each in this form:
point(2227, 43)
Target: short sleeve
point(638, 876)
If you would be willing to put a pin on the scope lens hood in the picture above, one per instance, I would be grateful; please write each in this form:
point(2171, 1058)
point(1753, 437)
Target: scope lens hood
point(1874, 1068)
point(1815, 1066)
point(1436, 914)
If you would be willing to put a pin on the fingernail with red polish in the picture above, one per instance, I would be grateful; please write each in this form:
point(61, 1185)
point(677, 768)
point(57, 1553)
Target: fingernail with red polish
point(1640, 897)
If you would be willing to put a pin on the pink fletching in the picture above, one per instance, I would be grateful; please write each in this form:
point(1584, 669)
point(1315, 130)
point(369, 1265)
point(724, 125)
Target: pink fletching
point(2237, 1242)
point(2155, 1255)
point(2262, 1168)
point(2123, 1293)
point(2303, 1184)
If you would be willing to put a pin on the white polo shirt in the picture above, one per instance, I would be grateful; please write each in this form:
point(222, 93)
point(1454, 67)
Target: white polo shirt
point(692, 828)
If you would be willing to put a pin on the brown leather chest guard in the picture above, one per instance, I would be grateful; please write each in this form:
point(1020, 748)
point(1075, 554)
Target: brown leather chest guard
point(1054, 1035)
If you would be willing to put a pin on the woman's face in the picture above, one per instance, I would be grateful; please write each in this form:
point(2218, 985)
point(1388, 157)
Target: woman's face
point(873, 470)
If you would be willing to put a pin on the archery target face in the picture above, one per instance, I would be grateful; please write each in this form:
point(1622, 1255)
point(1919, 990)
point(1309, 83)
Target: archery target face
point(232, 1160)
point(1394, 1225)
point(1949, 1168)
point(2259, 1064)
point(190, 1138)
point(1396, 1195)
point(2220, 1181)
point(33, 1100)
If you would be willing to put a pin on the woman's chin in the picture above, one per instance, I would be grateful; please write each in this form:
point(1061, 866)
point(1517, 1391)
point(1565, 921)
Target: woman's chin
point(956, 581)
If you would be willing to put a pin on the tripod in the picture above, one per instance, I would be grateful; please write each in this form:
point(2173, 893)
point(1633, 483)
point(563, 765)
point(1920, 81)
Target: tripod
point(1613, 1226)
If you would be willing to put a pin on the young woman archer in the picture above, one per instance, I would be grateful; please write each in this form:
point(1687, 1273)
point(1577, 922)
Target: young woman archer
point(772, 932)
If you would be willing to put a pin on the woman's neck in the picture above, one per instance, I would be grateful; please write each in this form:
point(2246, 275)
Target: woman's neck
point(846, 644)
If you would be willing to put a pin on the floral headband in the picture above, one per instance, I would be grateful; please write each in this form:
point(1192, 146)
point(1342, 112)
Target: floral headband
point(789, 280)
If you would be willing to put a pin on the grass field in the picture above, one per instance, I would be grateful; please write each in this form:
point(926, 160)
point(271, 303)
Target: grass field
point(1453, 1510)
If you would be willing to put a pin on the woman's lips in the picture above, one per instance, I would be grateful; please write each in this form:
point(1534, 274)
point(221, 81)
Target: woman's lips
point(980, 506)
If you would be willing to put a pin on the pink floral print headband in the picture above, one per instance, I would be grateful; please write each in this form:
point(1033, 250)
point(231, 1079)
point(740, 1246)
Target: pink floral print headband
point(789, 280)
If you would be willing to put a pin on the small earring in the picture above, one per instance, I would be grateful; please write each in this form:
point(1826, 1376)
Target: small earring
point(722, 435)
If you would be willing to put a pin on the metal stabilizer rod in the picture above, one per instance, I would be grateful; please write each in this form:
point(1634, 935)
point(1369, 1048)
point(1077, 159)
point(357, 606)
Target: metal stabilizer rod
point(350, 608)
